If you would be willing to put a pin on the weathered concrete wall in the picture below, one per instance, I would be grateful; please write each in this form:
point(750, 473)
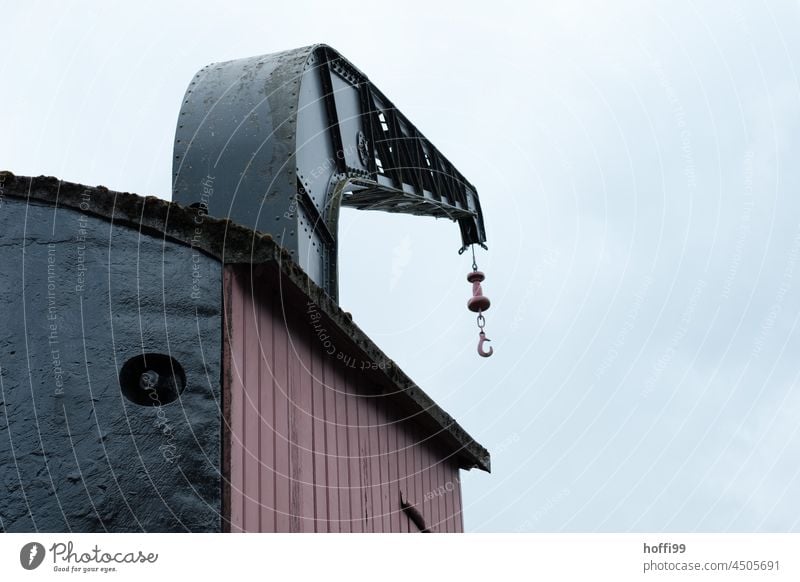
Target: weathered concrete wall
point(79, 296)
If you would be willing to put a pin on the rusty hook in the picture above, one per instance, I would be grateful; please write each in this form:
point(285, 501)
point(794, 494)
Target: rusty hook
point(482, 341)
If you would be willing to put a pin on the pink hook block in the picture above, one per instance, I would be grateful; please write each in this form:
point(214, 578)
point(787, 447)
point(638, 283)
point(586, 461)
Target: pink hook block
point(478, 302)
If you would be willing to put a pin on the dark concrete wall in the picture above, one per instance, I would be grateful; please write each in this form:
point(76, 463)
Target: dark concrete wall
point(78, 297)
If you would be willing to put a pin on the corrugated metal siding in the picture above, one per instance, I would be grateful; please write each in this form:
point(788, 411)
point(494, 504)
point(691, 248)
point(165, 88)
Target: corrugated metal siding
point(311, 447)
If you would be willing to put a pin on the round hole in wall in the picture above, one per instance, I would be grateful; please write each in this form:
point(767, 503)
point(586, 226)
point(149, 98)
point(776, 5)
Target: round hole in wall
point(152, 379)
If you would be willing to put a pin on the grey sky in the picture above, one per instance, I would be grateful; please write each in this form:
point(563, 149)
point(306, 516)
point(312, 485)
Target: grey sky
point(637, 167)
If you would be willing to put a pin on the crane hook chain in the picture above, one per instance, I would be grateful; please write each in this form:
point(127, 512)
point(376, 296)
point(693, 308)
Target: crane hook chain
point(479, 303)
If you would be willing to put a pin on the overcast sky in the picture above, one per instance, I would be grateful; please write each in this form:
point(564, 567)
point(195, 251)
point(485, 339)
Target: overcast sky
point(638, 171)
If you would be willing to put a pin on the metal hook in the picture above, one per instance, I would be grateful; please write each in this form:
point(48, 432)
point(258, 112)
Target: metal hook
point(482, 341)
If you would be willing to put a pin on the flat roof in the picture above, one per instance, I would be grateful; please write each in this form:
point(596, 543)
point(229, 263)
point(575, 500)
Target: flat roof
point(232, 243)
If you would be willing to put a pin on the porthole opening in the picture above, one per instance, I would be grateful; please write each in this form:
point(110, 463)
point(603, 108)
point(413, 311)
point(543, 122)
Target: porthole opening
point(152, 379)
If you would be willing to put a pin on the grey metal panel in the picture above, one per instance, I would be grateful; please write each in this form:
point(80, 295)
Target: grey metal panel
point(315, 152)
point(348, 110)
point(237, 127)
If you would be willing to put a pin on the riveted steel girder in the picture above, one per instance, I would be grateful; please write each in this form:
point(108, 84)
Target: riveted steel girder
point(279, 142)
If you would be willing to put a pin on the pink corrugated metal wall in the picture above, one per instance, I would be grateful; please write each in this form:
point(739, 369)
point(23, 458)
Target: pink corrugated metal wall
point(311, 447)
